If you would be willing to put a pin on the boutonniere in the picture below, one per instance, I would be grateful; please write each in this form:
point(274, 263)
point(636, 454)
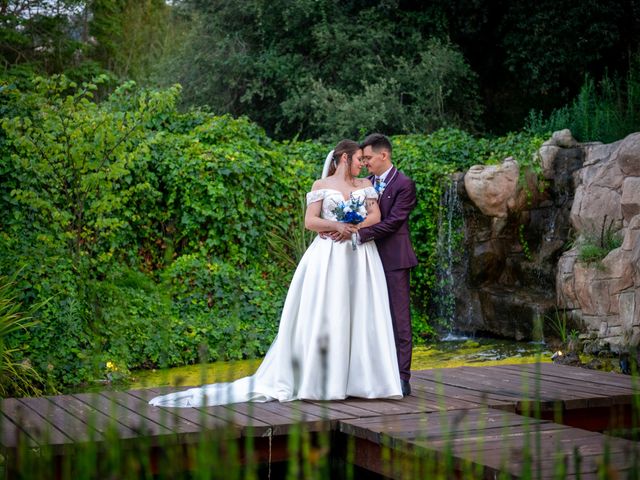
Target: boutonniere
point(380, 186)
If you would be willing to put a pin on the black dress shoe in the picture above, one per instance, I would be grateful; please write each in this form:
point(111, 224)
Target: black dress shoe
point(406, 388)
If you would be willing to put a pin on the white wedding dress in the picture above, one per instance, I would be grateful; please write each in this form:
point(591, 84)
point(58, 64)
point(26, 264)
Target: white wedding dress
point(335, 337)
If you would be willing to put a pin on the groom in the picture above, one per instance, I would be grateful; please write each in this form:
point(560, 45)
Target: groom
point(396, 198)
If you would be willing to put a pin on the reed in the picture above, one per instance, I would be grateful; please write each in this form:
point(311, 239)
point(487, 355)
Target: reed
point(117, 435)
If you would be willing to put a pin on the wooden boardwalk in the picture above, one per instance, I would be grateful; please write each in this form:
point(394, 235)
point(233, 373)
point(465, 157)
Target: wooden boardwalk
point(544, 417)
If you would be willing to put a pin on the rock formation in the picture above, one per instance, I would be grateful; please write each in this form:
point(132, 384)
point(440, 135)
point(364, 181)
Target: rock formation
point(524, 236)
point(605, 294)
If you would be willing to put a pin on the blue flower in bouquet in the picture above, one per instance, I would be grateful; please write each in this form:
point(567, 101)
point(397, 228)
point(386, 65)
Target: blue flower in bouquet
point(351, 211)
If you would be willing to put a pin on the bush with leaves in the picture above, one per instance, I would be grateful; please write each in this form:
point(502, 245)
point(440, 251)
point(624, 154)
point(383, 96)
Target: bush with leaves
point(69, 199)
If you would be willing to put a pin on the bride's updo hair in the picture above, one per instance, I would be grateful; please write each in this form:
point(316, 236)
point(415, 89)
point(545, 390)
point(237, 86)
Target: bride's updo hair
point(344, 146)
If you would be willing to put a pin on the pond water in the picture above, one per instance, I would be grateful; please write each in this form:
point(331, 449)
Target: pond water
point(452, 352)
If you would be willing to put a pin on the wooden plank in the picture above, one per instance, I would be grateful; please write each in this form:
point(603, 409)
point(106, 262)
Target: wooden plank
point(321, 410)
point(381, 407)
point(517, 435)
point(547, 461)
point(37, 428)
point(536, 385)
point(72, 427)
point(93, 418)
point(504, 452)
point(421, 400)
point(547, 395)
point(472, 385)
point(130, 419)
point(248, 425)
point(513, 385)
point(448, 409)
point(280, 417)
point(343, 407)
point(205, 416)
point(456, 397)
point(611, 379)
point(11, 436)
point(509, 393)
point(433, 425)
point(600, 395)
point(293, 410)
point(186, 430)
point(491, 438)
point(200, 417)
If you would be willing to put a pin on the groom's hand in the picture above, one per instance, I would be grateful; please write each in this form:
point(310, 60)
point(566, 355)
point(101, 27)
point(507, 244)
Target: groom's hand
point(335, 236)
point(344, 232)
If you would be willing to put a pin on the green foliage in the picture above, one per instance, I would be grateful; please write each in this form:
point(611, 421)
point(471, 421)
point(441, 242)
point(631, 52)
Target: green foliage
point(420, 96)
point(72, 166)
point(17, 375)
point(524, 244)
point(322, 70)
point(164, 237)
point(131, 35)
point(233, 312)
point(543, 59)
point(605, 111)
point(400, 67)
point(289, 245)
point(592, 254)
point(93, 192)
point(594, 246)
point(559, 324)
point(131, 322)
point(39, 33)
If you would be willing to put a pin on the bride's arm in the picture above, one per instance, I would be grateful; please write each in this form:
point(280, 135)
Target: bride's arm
point(313, 221)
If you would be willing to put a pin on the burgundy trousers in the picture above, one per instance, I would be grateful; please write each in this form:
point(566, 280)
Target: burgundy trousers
point(398, 287)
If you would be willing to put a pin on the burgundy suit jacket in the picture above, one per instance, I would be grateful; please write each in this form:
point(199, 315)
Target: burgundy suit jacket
point(392, 233)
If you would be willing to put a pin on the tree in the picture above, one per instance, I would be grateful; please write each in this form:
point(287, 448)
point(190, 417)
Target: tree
point(49, 35)
point(130, 35)
point(322, 68)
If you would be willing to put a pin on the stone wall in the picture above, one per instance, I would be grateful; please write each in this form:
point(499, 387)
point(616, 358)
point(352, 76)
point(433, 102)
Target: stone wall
point(605, 295)
point(522, 242)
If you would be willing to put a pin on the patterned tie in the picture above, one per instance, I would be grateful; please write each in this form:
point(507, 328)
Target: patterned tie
point(378, 180)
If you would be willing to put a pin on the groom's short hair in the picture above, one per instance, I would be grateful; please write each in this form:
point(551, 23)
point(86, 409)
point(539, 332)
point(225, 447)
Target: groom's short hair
point(377, 141)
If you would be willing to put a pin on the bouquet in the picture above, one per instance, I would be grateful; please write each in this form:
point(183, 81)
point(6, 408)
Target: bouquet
point(351, 211)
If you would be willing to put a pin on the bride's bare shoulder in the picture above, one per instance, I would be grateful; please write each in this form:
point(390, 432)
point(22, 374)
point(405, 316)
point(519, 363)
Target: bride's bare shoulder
point(319, 184)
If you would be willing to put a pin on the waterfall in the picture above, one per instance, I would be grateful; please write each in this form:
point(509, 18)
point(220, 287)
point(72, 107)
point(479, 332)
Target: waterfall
point(448, 249)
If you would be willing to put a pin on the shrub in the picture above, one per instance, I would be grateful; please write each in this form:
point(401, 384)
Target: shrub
point(605, 111)
point(232, 311)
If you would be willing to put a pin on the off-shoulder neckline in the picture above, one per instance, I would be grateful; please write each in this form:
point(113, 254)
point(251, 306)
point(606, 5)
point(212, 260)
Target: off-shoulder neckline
point(342, 194)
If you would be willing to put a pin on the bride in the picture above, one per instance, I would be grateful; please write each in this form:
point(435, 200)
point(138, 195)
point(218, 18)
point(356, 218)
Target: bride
point(335, 337)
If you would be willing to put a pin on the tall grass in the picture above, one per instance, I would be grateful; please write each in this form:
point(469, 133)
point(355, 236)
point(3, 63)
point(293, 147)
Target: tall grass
point(17, 376)
point(605, 110)
point(446, 443)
